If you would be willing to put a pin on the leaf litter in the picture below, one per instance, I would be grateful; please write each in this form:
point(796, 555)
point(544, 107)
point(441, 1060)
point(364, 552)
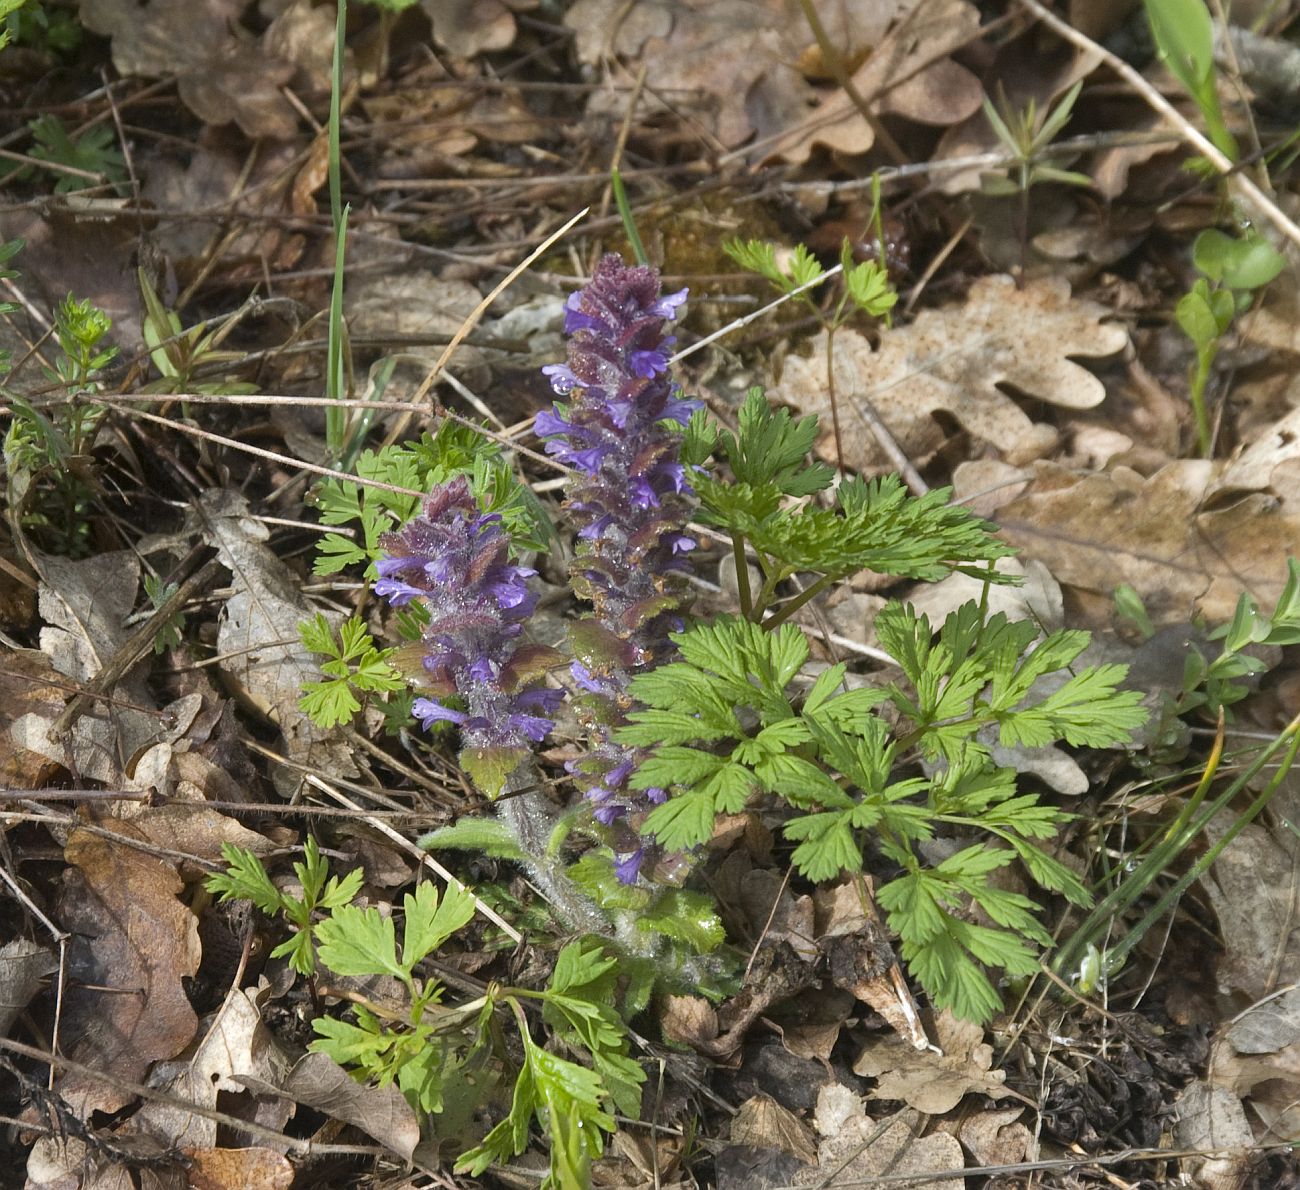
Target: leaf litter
point(1012, 390)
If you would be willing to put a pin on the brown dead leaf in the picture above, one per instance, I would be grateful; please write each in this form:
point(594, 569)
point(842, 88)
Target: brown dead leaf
point(468, 28)
point(133, 944)
point(233, 1044)
point(303, 35)
point(70, 246)
point(862, 961)
point(258, 637)
point(238, 1169)
point(959, 360)
point(23, 968)
point(84, 605)
point(1258, 1060)
point(27, 687)
point(908, 74)
point(1096, 531)
point(1212, 1120)
point(752, 61)
point(764, 1124)
point(1252, 890)
point(859, 1153)
point(221, 71)
point(381, 1112)
point(997, 1137)
point(933, 1083)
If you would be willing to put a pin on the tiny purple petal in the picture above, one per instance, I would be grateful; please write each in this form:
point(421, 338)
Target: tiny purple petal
point(562, 380)
point(429, 711)
point(398, 593)
point(627, 868)
point(535, 727)
point(667, 305)
point(647, 364)
point(548, 423)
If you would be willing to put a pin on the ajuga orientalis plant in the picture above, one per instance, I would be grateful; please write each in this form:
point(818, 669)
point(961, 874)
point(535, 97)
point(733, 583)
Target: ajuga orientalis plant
point(684, 719)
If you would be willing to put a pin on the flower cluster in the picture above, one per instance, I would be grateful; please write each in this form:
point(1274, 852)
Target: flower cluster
point(629, 499)
point(455, 559)
point(629, 496)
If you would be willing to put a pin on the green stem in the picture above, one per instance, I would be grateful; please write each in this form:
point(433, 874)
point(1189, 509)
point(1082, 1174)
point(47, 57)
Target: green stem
point(793, 605)
point(1204, 361)
point(742, 575)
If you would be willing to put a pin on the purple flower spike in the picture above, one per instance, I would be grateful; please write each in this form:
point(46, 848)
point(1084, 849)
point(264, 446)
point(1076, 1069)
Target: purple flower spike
point(455, 559)
point(630, 499)
point(630, 502)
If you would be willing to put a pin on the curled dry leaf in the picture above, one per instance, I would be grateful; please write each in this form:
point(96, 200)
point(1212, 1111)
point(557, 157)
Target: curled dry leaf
point(133, 945)
point(763, 1123)
point(960, 360)
point(221, 71)
point(233, 1044)
point(258, 637)
point(933, 1083)
point(381, 1112)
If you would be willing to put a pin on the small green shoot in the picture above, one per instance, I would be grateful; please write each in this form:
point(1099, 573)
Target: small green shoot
point(183, 355)
point(865, 287)
point(170, 634)
point(1027, 135)
point(91, 159)
point(246, 879)
point(1232, 268)
point(355, 668)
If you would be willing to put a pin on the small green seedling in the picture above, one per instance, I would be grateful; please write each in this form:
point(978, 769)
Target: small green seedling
point(866, 287)
point(246, 879)
point(1232, 269)
point(355, 669)
point(1027, 135)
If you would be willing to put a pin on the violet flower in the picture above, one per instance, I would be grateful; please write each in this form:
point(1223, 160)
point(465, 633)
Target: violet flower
point(630, 501)
point(455, 558)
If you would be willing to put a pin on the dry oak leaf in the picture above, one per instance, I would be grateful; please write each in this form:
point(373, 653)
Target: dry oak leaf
point(471, 27)
point(960, 360)
point(133, 944)
point(933, 1083)
point(745, 56)
point(221, 72)
point(1098, 530)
